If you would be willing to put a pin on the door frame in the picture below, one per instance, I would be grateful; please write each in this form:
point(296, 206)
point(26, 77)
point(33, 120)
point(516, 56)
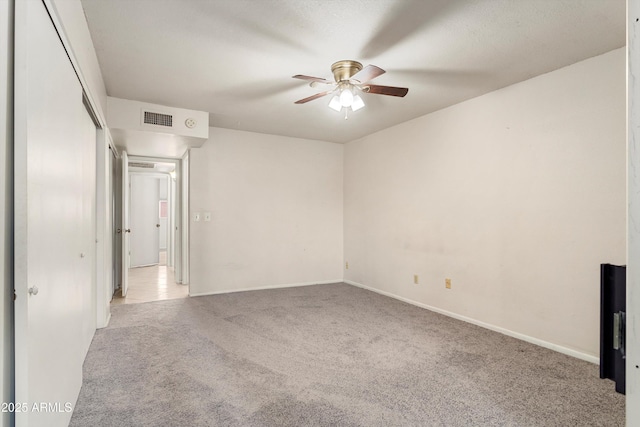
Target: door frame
point(124, 213)
point(183, 184)
point(105, 227)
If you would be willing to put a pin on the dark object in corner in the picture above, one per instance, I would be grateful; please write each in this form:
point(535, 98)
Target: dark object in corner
point(613, 303)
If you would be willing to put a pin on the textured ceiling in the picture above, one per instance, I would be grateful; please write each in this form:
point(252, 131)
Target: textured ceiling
point(235, 58)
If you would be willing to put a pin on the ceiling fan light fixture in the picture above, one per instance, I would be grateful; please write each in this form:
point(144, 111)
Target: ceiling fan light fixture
point(350, 79)
point(357, 103)
point(335, 104)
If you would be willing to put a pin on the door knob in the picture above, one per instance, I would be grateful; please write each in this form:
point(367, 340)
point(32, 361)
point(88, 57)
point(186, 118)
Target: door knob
point(128, 230)
point(158, 225)
point(118, 231)
point(33, 290)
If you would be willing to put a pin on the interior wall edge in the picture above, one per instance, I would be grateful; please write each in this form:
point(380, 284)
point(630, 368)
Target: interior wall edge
point(513, 334)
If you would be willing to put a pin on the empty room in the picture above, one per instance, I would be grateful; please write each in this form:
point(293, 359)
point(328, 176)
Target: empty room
point(323, 213)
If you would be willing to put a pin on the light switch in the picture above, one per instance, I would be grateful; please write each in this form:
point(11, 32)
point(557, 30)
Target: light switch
point(207, 216)
point(196, 216)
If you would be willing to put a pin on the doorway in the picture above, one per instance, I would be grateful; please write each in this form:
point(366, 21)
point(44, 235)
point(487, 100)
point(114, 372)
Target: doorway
point(151, 231)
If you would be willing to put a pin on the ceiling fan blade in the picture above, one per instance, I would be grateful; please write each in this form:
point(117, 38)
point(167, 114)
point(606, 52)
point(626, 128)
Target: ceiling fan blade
point(312, 79)
point(368, 73)
point(387, 90)
point(312, 97)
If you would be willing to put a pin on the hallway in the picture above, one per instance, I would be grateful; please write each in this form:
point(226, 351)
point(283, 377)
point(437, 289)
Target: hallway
point(153, 283)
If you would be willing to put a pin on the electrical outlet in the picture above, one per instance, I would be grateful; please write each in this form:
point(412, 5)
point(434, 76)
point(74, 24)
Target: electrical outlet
point(447, 283)
point(207, 216)
point(415, 279)
point(196, 216)
point(346, 265)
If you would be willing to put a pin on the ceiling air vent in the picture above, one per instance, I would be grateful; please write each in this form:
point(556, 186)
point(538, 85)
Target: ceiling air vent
point(158, 119)
point(142, 165)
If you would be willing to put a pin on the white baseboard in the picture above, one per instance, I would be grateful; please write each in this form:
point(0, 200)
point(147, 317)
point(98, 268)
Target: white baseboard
point(260, 288)
point(532, 340)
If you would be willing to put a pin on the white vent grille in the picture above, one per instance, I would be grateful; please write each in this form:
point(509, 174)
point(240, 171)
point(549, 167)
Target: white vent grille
point(142, 165)
point(158, 119)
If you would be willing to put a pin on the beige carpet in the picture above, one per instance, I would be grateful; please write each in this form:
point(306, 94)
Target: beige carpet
point(326, 355)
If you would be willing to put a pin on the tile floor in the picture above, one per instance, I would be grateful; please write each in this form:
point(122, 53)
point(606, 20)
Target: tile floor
point(152, 283)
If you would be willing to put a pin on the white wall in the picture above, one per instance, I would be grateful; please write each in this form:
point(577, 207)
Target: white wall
point(633, 261)
point(6, 207)
point(518, 196)
point(128, 115)
point(74, 25)
point(276, 205)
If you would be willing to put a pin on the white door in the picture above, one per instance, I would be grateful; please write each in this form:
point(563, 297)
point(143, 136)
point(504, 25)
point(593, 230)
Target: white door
point(126, 231)
point(144, 220)
point(54, 238)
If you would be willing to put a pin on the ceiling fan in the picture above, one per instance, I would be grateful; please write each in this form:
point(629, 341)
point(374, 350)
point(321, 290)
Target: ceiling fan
point(350, 79)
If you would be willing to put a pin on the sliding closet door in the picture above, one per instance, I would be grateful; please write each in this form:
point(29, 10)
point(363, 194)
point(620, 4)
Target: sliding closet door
point(54, 229)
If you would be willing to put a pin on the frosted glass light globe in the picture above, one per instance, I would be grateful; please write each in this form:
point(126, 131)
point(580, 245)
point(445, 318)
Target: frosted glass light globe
point(335, 104)
point(346, 98)
point(357, 103)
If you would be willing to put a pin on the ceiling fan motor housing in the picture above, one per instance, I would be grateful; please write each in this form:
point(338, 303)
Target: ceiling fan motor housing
point(343, 70)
